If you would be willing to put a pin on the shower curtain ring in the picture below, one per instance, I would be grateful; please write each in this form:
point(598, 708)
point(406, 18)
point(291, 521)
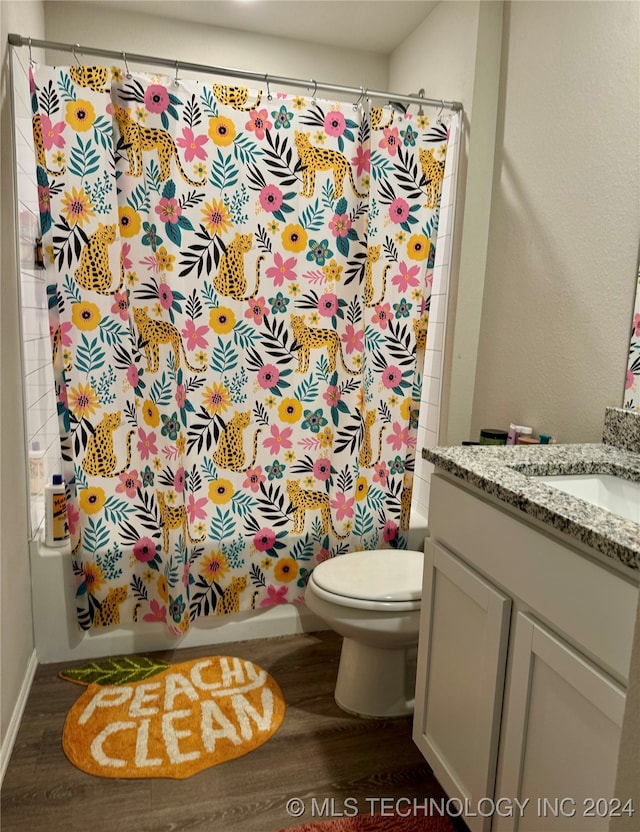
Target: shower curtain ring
point(266, 80)
point(439, 116)
point(361, 97)
point(176, 80)
point(76, 46)
point(126, 65)
point(30, 55)
point(315, 90)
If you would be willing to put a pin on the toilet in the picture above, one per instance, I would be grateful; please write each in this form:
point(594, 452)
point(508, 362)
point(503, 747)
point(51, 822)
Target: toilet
point(373, 600)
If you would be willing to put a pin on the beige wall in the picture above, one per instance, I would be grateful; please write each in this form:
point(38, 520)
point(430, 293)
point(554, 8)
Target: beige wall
point(15, 604)
point(565, 219)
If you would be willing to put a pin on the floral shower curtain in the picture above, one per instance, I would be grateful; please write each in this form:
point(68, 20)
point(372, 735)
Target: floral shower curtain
point(239, 288)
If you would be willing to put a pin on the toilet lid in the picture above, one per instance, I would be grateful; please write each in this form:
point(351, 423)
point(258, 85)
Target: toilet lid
point(381, 575)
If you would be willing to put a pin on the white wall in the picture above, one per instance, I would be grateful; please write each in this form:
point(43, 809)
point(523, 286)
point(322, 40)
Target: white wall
point(565, 220)
point(15, 606)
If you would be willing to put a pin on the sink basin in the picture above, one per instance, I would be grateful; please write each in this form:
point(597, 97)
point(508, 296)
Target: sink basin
point(614, 494)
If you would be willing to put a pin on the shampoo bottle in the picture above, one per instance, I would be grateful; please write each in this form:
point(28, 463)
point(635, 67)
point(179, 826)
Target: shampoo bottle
point(56, 527)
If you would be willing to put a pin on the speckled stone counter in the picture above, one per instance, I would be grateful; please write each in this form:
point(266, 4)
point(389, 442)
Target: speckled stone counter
point(505, 473)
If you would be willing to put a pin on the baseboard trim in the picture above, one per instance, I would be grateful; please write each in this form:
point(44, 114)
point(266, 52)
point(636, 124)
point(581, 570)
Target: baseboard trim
point(16, 717)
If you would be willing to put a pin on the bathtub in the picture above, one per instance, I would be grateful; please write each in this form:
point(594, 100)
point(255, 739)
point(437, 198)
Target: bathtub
point(59, 639)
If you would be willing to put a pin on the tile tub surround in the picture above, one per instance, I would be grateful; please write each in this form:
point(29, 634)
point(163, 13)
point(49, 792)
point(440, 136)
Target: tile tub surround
point(504, 472)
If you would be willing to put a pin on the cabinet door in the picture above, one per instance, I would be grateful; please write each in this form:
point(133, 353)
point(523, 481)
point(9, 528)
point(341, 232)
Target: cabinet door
point(561, 736)
point(464, 627)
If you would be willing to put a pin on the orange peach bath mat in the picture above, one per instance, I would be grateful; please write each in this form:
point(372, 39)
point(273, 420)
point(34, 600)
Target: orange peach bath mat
point(140, 718)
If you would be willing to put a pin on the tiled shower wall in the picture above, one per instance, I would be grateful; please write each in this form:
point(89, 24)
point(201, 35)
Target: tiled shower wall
point(434, 352)
point(40, 404)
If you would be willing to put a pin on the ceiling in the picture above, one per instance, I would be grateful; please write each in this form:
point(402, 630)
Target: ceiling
point(371, 25)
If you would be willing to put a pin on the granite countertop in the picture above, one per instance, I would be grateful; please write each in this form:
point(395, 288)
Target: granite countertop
point(505, 472)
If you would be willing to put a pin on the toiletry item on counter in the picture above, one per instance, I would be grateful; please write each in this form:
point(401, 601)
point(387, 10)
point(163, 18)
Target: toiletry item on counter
point(528, 440)
point(56, 527)
point(492, 436)
point(516, 431)
point(546, 439)
point(36, 469)
point(468, 442)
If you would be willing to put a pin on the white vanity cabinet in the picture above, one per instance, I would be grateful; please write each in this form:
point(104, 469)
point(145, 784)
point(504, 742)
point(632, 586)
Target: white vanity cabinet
point(523, 657)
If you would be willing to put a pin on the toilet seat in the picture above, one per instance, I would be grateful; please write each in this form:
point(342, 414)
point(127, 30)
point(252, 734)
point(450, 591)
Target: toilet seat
point(384, 579)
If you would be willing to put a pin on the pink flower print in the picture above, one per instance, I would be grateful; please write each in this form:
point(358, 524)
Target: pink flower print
point(390, 139)
point(334, 123)
point(121, 305)
point(629, 380)
point(322, 469)
point(381, 473)
point(258, 123)
point(195, 508)
point(156, 98)
point(352, 339)
point(279, 439)
point(275, 596)
point(65, 329)
point(178, 480)
point(51, 133)
point(127, 263)
point(382, 315)
point(73, 516)
point(165, 296)
point(390, 531)
point(271, 198)
point(340, 225)
point(147, 443)
point(323, 554)
point(257, 310)
point(158, 612)
point(399, 210)
point(254, 478)
point(406, 277)
point(133, 375)
point(636, 324)
point(283, 269)
point(192, 144)
point(195, 335)
point(343, 506)
point(181, 395)
point(186, 571)
point(328, 304)
point(169, 210)
point(44, 199)
point(268, 376)
point(264, 539)
point(129, 484)
point(391, 377)
point(144, 550)
point(361, 161)
point(332, 395)
point(401, 437)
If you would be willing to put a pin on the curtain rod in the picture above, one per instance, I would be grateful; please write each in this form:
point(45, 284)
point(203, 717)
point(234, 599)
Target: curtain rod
point(362, 92)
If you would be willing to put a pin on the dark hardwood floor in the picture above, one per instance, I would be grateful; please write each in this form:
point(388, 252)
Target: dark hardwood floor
point(318, 752)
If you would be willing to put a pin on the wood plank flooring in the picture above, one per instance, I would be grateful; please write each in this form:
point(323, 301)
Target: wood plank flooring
point(318, 752)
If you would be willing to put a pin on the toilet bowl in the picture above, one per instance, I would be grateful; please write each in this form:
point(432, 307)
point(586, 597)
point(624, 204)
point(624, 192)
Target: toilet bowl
point(373, 600)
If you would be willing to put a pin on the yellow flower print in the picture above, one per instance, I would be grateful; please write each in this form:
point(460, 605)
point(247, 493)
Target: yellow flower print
point(83, 400)
point(222, 130)
point(393, 401)
point(362, 486)
point(93, 577)
point(405, 409)
point(199, 530)
point(80, 115)
point(148, 576)
point(222, 320)
point(365, 182)
point(285, 570)
point(320, 137)
point(422, 122)
point(417, 247)
point(150, 414)
point(157, 463)
point(116, 73)
point(289, 456)
point(131, 278)
point(220, 491)
point(201, 357)
point(85, 316)
point(266, 563)
point(216, 398)
point(332, 271)
point(217, 217)
point(181, 443)
point(163, 588)
point(417, 295)
point(309, 482)
point(270, 401)
point(59, 159)
point(77, 206)
point(141, 114)
point(214, 567)
point(442, 150)
point(294, 238)
point(298, 103)
point(290, 410)
point(170, 496)
point(273, 227)
point(200, 170)
point(129, 221)
point(400, 237)
point(157, 310)
point(294, 289)
point(314, 319)
point(165, 260)
point(325, 437)
point(92, 499)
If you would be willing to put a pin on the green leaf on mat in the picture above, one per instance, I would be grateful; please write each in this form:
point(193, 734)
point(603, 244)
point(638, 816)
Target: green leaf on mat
point(118, 671)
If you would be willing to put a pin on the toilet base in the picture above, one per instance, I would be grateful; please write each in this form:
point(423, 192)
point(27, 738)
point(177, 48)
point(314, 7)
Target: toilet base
point(373, 682)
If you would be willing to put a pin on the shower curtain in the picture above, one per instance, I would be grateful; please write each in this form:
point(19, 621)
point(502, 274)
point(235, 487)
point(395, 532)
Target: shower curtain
point(238, 289)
